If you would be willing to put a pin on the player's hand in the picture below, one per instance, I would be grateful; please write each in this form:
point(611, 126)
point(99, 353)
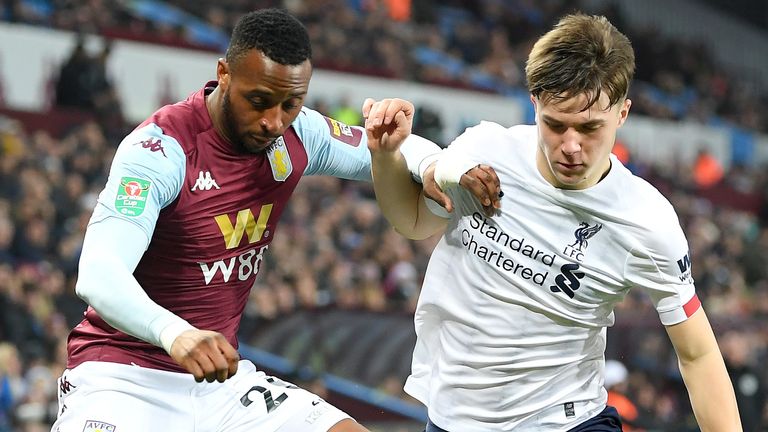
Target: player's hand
point(205, 354)
point(480, 180)
point(388, 123)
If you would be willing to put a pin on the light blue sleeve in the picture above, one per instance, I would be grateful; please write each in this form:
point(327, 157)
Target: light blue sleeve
point(333, 148)
point(147, 174)
point(336, 149)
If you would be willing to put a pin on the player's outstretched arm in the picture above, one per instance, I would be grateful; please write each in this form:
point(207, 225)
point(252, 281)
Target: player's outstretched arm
point(387, 124)
point(705, 375)
point(111, 251)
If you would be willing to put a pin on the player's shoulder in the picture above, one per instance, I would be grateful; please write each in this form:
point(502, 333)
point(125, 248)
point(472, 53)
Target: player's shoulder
point(495, 144)
point(149, 144)
point(644, 203)
point(484, 128)
point(491, 132)
point(312, 126)
point(309, 122)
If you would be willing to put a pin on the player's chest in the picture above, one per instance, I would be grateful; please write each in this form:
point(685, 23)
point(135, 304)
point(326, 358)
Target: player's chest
point(229, 203)
point(557, 252)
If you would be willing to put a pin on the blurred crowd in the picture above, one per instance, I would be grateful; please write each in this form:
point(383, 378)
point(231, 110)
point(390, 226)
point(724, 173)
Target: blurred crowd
point(463, 43)
point(333, 249)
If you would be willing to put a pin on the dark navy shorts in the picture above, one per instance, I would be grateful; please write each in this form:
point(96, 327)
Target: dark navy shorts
point(607, 421)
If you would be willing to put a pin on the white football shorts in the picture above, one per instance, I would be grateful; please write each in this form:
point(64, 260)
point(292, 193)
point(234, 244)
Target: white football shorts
point(113, 397)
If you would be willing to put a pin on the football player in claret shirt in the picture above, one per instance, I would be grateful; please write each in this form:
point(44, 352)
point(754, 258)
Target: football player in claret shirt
point(177, 237)
point(512, 317)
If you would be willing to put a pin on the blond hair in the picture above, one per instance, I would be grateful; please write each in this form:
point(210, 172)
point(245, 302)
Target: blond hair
point(582, 54)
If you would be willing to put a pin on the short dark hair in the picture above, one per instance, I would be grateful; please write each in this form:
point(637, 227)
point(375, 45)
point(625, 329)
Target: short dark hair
point(582, 55)
point(274, 32)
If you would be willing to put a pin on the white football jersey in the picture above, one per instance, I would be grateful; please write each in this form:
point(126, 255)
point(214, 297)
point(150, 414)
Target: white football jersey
point(512, 318)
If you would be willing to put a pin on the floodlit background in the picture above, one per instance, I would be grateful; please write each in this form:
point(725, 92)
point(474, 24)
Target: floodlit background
point(332, 306)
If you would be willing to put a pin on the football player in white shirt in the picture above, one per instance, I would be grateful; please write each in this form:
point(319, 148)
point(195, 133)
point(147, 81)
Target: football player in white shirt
point(512, 317)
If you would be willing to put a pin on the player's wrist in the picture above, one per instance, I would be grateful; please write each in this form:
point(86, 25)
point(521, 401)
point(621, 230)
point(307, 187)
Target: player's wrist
point(386, 156)
point(171, 332)
point(449, 168)
point(426, 163)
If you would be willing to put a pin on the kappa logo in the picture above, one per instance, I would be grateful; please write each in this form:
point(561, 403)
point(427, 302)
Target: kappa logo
point(98, 426)
point(65, 386)
point(583, 233)
point(153, 146)
point(205, 182)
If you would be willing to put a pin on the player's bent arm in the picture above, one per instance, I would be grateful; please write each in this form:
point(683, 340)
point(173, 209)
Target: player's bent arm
point(704, 373)
point(401, 199)
point(111, 251)
point(333, 153)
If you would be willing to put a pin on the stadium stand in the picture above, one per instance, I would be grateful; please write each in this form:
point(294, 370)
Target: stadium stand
point(336, 263)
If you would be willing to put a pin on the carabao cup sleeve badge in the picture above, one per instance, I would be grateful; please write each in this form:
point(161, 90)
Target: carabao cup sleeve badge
point(132, 193)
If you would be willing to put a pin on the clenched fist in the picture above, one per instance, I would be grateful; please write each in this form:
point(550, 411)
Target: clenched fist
point(205, 354)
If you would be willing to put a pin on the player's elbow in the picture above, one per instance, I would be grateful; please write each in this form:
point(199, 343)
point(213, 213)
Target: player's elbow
point(93, 278)
point(411, 233)
point(86, 283)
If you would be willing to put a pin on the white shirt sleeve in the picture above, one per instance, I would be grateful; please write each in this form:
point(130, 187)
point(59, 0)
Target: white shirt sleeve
point(146, 175)
point(460, 156)
point(662, 267)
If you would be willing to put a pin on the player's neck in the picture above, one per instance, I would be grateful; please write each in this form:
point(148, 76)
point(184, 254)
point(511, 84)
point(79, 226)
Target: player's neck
point(213, 103)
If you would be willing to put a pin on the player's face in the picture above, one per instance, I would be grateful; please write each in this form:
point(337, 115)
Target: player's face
point(574, 147)
point(261, 99)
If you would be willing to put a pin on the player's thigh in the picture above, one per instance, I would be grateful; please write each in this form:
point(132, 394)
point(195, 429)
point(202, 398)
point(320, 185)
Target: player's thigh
point(90, 403)
point(269, 404)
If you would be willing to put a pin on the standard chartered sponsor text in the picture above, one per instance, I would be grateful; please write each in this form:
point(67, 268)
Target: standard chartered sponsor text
point(507, 247)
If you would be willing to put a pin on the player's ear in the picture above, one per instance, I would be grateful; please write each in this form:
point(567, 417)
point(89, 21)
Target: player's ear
point(535, 106)
point(222, 73)
point(624, 111)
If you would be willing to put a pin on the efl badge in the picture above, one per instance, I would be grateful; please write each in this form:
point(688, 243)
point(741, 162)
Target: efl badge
point(279, 160)
point(98, 426)
point(344, 133)
point(132, 196)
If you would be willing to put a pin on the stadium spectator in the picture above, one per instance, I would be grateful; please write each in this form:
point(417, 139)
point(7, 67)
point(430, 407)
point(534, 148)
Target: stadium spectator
point(12, 386)
point(688, 85)
point(707, 171)
point(83, 84)
point(748, 379)
point(617, 384)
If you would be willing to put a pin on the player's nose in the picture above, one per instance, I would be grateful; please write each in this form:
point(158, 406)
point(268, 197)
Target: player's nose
point(571, 142)
point(272, 121)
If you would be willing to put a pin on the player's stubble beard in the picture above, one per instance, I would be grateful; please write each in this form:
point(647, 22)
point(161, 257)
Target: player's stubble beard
point(230, 127)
